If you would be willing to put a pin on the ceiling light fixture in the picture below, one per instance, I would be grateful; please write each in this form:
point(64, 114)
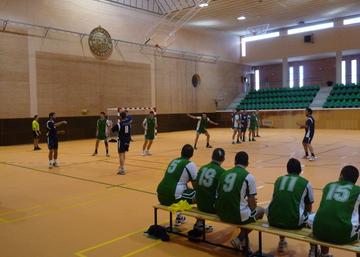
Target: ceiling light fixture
point(241, 18)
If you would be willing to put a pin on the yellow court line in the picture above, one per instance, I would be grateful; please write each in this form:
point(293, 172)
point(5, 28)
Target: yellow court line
point(142, 249)
point(81, 252)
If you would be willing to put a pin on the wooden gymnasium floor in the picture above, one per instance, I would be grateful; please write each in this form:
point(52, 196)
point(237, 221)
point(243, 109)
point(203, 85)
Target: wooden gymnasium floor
point(84, 209)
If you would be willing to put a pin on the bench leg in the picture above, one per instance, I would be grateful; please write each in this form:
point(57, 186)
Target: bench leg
point(259, 253)
point(171, 222)
point(155, 216)
point(204, 231)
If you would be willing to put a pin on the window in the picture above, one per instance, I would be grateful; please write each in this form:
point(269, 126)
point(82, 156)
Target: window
point(354, 71)
point(301, 76)
point(311, 28)
point(244, 40)
point(291, 77)
point(343, 72)
point(257, 80)
point(351, 21)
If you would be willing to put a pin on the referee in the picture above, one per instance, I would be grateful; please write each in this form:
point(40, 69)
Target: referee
point(36, 132)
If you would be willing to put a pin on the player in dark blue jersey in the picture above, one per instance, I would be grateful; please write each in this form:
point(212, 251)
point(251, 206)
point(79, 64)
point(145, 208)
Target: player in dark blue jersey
point(52, 139)
point(124, 137)
point(244, 122)
point(309, 135)
point(129, 119)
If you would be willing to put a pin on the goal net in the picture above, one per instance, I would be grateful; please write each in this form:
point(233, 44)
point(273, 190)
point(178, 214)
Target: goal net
point(113, 115)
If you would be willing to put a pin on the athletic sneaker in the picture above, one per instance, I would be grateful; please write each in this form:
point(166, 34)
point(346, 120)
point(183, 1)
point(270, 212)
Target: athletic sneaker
point(233, 142)
point(315, 251)
point(143, 153)
point(200, 227)
point(50, 165)
point(95, 153)
point(121, 171)
point(180, 219)
point(195, 148)
point(253, 139)
point(208, 146)
point(55, 164)
point(312, 158)
point(107, 155)
point(148, 152)
point(305, 157)
point(282, 246)
point(238, 142)
point(240, 245)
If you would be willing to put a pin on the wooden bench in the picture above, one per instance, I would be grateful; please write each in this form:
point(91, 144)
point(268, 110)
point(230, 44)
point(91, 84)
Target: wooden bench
point(260, 226)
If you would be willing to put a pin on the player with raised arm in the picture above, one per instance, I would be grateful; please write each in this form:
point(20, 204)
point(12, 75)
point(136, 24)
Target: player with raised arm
point(52, 139)
point(201, 128)
point(101, 133)
point(309, 135)
point(236, 125)
point(150, 125)
point(123, 129)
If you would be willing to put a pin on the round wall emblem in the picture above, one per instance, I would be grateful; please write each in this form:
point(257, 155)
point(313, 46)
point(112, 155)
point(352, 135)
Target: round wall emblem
point(100, 42)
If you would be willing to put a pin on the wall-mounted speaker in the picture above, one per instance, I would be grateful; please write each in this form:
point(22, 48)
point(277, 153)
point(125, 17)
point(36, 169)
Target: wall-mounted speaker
point(309, 39)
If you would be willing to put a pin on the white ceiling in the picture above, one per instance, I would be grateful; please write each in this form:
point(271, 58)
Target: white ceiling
point(221, 14)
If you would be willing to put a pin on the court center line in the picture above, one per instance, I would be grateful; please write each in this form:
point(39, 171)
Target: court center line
point(82, 179)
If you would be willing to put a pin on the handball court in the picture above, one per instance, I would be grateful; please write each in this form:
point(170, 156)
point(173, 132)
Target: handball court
point(84, 209)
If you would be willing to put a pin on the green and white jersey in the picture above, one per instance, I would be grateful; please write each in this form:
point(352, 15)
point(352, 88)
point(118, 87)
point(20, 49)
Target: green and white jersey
point(150, 125)
point(235, 185)
point(337, 219)
point(178, 174)
point(202, 124)
point(207, 183)
point(287, 208)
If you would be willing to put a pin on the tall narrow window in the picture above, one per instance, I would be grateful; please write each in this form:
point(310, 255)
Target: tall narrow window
point(301, 76)
point(291, 77)
point(257, 80)
point(353, 71)
point(343, 72)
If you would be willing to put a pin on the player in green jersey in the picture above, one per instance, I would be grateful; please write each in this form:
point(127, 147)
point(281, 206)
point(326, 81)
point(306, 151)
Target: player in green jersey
point(174, 185)
point(236, 202)
point(102, 125)
point(294, 194)
point(337, 219)
point(252, 126)
point(207, 181)
point(150, 125)
point(201, 128)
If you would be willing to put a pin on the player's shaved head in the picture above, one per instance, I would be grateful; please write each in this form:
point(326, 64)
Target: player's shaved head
point(349, 173)
point(242, 158)
point(187, 151)
point(218, 155)
point(294, 166)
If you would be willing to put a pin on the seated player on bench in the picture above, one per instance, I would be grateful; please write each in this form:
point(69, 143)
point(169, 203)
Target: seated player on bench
point(236, 201)
point(174, 185)
point(337, 219)
point(291, 203)
point(207, 181)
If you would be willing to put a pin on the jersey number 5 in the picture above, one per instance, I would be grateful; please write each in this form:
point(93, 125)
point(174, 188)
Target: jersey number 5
point(173, 166)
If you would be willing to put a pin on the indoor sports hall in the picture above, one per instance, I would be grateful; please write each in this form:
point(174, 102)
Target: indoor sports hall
point(100, 100)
